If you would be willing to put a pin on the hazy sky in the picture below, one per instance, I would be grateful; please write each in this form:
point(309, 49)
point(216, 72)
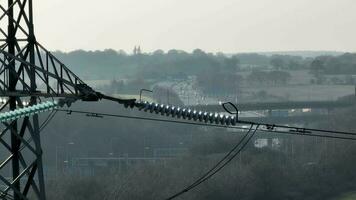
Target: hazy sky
point(212, 25)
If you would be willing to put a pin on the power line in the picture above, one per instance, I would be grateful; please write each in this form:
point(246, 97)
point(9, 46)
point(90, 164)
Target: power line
point(43, 125)
point(49, 118)
point(270, 128)
point(234, 155)
point(304, 129)
point(219, 165)
point(212, 118)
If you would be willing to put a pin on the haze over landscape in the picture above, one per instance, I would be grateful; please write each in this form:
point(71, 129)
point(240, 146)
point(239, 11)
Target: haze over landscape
point(178, 99)
point(228, 26)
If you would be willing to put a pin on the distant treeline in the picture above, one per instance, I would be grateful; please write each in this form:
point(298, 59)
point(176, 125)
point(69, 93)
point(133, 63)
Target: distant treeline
point(111, 64)
point(344, 64)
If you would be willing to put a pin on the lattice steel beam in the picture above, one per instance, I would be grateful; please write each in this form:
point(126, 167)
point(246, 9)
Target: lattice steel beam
point(27, 72)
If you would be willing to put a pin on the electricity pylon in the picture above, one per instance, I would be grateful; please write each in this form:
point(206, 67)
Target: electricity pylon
point(30, 73)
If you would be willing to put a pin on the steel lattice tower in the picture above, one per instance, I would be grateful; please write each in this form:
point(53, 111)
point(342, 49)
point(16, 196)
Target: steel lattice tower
point(19, 36)
point(28, 72)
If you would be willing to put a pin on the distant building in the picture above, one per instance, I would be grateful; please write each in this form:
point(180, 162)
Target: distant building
point(137, 50)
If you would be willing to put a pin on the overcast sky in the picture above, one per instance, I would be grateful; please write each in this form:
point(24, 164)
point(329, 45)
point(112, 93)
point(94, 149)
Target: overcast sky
point(212, 25)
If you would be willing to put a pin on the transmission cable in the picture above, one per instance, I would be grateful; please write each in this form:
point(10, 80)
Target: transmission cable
point(230, 155)
point(49, 118)
point(96, 114)
point(43, 126)
point(226, 156)
point(224, 161)
point(234, 155)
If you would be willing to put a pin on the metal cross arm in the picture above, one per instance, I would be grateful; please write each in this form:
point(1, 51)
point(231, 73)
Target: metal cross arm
point(66, 87)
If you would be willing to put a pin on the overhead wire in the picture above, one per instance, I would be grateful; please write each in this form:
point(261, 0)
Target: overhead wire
point(271, 128)
point(48, 119)
point(228, 154)
point(233, 155)
point(221, 164)
point(304, 129)
point(42, 126)
point(210, 117)
point(293, 132)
